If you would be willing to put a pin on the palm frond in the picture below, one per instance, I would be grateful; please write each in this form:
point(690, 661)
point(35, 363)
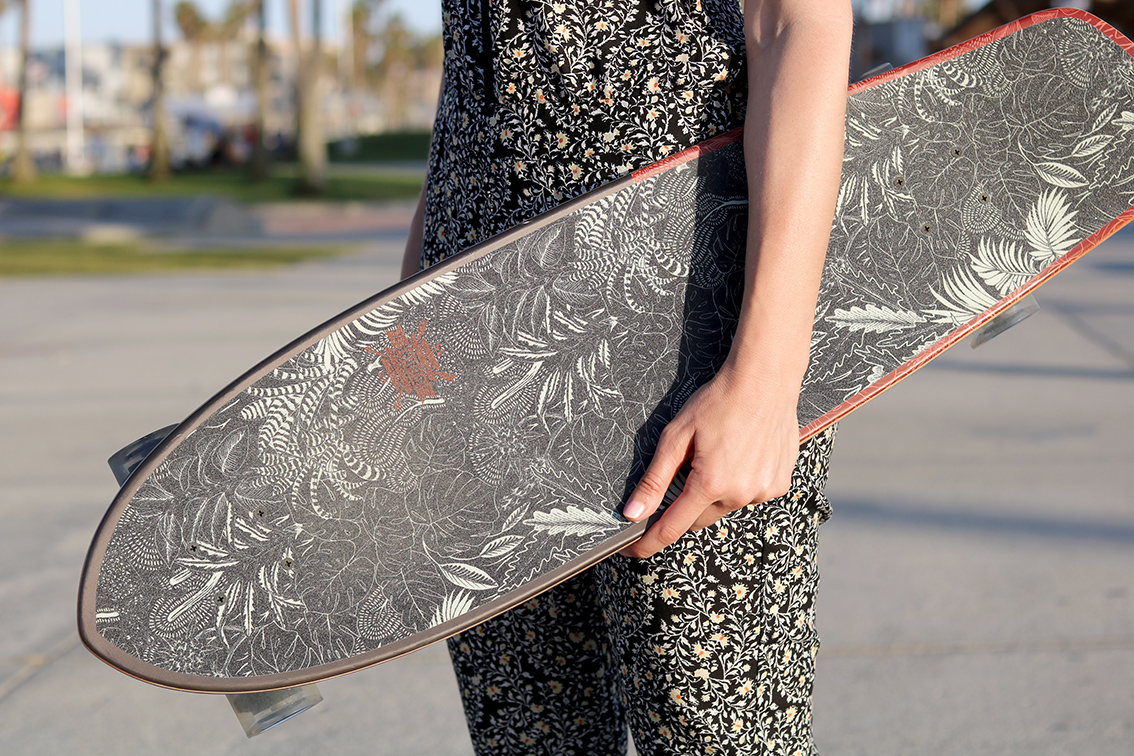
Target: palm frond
point(963, 297)
point(1003, 266)
point(1051, 226)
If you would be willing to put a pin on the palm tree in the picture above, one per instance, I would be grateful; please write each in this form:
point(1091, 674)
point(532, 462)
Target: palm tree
point(393, 70)
point(228, 29)
point(309, 122)
point(362, 14)
point(194, 28)
point(159, 144)
point(23, 167)
point(259, 167)
point(947, 13)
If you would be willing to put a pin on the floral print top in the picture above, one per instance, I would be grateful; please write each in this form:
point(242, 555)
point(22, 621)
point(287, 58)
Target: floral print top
point(542, 100)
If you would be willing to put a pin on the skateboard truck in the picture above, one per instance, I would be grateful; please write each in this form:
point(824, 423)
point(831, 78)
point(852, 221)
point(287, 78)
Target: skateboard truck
point(1021, 310)
point(255, 711)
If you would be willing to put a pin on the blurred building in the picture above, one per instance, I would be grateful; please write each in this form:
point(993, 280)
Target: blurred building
point(901, 31)
point(890, 32)
point(211, 102)
point(989, 15)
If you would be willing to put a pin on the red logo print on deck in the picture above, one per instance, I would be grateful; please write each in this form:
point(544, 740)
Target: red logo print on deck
point(411, 364)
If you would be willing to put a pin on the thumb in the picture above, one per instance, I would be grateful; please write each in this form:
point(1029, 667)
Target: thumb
point(673, 450)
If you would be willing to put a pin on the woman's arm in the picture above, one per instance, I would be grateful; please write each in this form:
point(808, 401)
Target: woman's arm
point(411, 259)
point(740, 431)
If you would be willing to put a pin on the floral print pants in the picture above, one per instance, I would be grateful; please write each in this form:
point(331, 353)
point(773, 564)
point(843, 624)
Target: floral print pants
point(705, 648)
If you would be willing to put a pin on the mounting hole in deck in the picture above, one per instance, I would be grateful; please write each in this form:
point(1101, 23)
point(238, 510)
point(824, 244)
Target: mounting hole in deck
point(900, 181)
point(927, 229)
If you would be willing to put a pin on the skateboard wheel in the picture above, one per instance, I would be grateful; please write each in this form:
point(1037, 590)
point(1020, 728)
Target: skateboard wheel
point(262, 711)
point(124, 461)
point(877, 71)
point(1018, 312)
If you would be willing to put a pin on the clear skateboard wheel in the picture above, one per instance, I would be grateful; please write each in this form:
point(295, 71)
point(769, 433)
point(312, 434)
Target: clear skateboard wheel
point(261, 711)
point(1018, 312)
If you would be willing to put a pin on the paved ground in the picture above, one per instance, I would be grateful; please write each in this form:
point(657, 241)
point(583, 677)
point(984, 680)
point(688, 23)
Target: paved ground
point(978, 593)
point(120, 218)
point(204, 221)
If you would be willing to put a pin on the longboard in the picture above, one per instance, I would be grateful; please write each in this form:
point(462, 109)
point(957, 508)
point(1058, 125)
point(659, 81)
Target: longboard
point(464, 440)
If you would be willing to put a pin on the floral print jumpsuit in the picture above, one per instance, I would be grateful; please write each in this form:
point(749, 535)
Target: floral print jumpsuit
point(709, 646)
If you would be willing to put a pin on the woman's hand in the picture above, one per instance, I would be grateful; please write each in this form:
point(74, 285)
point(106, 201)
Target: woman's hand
point(740, 436)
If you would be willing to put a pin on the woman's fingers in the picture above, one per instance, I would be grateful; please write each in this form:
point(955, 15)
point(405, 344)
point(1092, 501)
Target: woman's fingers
point(711, 514)
point(673, 449)
point(678, 518)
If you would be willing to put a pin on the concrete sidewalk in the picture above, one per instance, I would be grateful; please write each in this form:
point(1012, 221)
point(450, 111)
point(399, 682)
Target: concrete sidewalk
point(978, 591)
point(978, 575)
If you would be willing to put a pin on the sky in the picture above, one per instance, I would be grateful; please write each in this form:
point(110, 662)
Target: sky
point(130, 20)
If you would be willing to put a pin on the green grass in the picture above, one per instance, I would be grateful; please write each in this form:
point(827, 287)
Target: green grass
point(232, 184)
point(65, 257)
point(392, 146)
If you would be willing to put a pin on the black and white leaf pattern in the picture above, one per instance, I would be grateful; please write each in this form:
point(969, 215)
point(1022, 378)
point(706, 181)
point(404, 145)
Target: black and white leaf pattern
point(1126, 120)
point(873, 318)
point(451, 607)
point(1060, 174)
point(1003, 265)
point(1051, 226)
point(572, 521)
point(498, 547)
point(467, 576)
point(1091, 145)
point(964, 297)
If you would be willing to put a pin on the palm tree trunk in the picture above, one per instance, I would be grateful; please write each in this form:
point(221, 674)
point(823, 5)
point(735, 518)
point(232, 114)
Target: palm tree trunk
point(260, 70)
point(300, 75)
point(225, 63)
point(195, 62)
point(309, 138)
point(23, 168)
point(159, 145)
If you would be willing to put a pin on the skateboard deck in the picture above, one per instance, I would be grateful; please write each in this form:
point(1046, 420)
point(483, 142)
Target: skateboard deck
point(464, 440)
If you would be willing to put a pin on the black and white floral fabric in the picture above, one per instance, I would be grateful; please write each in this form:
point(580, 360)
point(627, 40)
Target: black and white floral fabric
point(544, 100)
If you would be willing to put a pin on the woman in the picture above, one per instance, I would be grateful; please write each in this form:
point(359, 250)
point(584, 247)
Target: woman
point(700, 636)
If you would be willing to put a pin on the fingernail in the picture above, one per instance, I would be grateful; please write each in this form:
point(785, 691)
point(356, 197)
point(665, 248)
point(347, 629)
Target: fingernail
point(633, 510)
